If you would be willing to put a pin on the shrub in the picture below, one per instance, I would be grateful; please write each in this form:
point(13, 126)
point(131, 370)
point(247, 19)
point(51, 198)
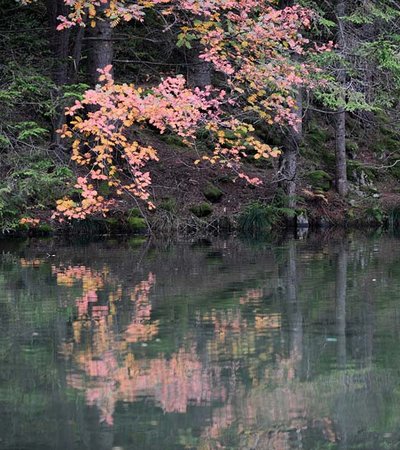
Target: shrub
point(258, 218)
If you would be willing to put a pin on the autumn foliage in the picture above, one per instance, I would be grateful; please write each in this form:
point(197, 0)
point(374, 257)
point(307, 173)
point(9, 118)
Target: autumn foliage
point(261, 54)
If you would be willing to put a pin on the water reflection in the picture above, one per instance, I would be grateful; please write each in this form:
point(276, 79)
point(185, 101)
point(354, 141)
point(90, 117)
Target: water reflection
point(224, 345)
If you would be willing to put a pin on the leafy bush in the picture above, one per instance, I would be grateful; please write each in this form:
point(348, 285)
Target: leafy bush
point(36, 185)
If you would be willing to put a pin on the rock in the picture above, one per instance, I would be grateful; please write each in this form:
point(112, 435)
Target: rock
point(302, 221)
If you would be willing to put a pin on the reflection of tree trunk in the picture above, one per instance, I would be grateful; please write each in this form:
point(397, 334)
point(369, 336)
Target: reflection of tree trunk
point(100, 45)
point(341, 288)
point(295, 316)
point(369, 331)
point(341, 159)
point(341, 285)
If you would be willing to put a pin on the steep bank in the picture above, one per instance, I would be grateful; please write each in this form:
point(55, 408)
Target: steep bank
point(191, 197)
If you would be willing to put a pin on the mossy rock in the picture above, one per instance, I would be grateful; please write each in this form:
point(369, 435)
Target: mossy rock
point(320, 180)
point(134, 212)
point(136, 224)
point(113, 224)
point(357, 171)
point(104, 189)
point(44, 229)
point(172, 139)
point(352, 146)
point(212, 193)
point(226, 178)
point(201, 209)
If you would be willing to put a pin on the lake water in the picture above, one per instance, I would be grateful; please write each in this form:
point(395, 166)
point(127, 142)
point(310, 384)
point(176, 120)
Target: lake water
point(209, 344)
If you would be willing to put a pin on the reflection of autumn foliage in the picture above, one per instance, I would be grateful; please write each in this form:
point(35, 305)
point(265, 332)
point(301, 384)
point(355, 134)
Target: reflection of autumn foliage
point(104, 379)
point(173, 382)
point(92, 281)
point(109, 372)
point(36, 262)
point(251, 295)
point(141, 328)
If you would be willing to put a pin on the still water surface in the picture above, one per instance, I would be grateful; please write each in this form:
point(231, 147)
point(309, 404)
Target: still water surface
point(220, 344)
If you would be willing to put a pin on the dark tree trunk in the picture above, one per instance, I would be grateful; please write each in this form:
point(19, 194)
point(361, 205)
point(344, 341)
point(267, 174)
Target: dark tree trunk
point(292, 141)
point(291, 145)
point(59, 41)
point(59, 44)
point(200, 71)
point(341, 158)
point(77, 54)
point(100, 46)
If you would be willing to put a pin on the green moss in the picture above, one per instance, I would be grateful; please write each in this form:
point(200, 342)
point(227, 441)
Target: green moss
point(134, 212)
point(113, 224)
point(44, 229)
point(136, 224)
point(352, 146)
point(104, 189)
point(19, 227)
point(328, 158)
point(136, 242)
point(201, 210)
point(319, 180)
point(212, 193)
point(172, 139)
point(355, 170)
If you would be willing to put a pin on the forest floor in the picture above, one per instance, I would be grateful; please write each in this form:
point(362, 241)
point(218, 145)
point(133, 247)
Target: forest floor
point(191, 198)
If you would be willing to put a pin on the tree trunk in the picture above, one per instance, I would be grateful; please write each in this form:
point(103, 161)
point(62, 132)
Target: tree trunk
point(77, 54)
point(291, 145)
point(59, 45)
point(59, 41)
point(341, 158)
point(100, 45)
point(200, 71)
